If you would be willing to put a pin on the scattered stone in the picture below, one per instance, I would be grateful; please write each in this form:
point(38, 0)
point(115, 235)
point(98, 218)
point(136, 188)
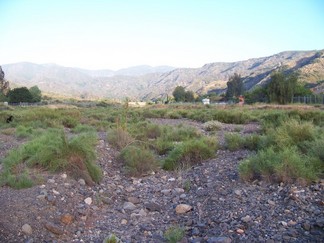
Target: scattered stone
point(272, 203)
point(88, 200)
point(238, 192)
point(82, 182)
point(166, 191)
point(142, 213)
point(178, 190)
point(124, 221)
point(27, 229)
point(53, 228)
point(292, 223)
point(240, 231)
point(183, 208)
point(171, 179)
point(133, 200)
point(64, 176)
point(55, 192)
point(67, 218)
point(220, 239)
point(152, 206)
point(246, 219)
point(129, 206)
point(306, 226)
point(52, 181)
point(284, 223)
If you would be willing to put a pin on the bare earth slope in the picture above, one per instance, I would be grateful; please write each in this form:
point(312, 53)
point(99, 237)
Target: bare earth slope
point(140, 209)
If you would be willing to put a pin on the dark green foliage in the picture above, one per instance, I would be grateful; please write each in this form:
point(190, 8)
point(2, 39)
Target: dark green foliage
point(174, 234)
point(36, 93)
point(235, 86)
point(138, 160)
point(190, 152)
point(189, 96)
point(54, 152)
point(258, 94)
point(282, 87)
point(179, 94)
point(290, 151)
point(20, 95)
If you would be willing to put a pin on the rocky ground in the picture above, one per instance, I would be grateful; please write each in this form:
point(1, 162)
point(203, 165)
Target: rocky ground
point(209, 201)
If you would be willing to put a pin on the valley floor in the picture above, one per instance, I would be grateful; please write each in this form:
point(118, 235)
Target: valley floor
point(224, 209)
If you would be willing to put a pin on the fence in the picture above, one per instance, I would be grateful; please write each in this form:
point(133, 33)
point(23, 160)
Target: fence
point(310, 99)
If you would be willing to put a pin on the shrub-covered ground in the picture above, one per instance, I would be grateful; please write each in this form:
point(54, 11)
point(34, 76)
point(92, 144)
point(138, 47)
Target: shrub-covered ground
point(267, 145)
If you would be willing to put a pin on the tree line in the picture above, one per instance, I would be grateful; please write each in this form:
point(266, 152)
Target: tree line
point(17, 95)
point(280, 89)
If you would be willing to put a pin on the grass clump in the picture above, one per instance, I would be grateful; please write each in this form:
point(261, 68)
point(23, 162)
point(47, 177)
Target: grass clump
point(138, 160)
point(235, 141)
point(174, 234)
point(54, 152)
point(291, 152)
point(287, 165)
point(211, 126)
point(119, 137)
point(190, 152)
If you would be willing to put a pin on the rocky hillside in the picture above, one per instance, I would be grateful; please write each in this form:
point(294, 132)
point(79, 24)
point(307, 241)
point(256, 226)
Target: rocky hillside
point(256, 71)
point(145, 82)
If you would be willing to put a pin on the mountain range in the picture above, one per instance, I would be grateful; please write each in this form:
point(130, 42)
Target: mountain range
point(146, 82)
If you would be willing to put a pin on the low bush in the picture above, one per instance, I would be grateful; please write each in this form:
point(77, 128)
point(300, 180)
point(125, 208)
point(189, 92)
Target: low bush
point(174, 234)
point(119, 138)
point(83, 129)
point(212, 126)
point(286, 165)
point(24, 132)
point(234, 141)
point(190, 152)
point(138, 160)
point(54, 152)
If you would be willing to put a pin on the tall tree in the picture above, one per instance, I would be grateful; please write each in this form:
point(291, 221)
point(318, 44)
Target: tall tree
point(20, 95)
point(4, 85)
point(282, 87)
point(179, 94)
point(36, 93)
point(235, 86)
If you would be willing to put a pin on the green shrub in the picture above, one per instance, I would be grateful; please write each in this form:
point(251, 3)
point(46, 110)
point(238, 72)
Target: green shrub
point(286, 165)
point(24, 132)
point(54, 152)
point(174, 234)
point(252, 142)
point(137, 160)
point(119, 138)
point(190, 152)
point(69, 122)
point(234, 141)
point(162, 146)
point(83, 129)
point(212, 126)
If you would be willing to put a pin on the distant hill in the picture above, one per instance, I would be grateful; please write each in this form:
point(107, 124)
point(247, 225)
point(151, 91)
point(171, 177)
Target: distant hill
point(146, 82)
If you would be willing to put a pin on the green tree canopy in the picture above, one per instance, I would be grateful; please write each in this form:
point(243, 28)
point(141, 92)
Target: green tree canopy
point(179, 94)
point(189, 96)
point(282, 87)
point(20, 95)
point(36, 93)
point(235, 86)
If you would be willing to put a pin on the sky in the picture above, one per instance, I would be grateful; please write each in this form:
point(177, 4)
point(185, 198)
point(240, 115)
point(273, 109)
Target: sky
point(114, 34)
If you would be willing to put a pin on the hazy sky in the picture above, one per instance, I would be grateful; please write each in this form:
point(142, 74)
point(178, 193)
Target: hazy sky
point(115, 34)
